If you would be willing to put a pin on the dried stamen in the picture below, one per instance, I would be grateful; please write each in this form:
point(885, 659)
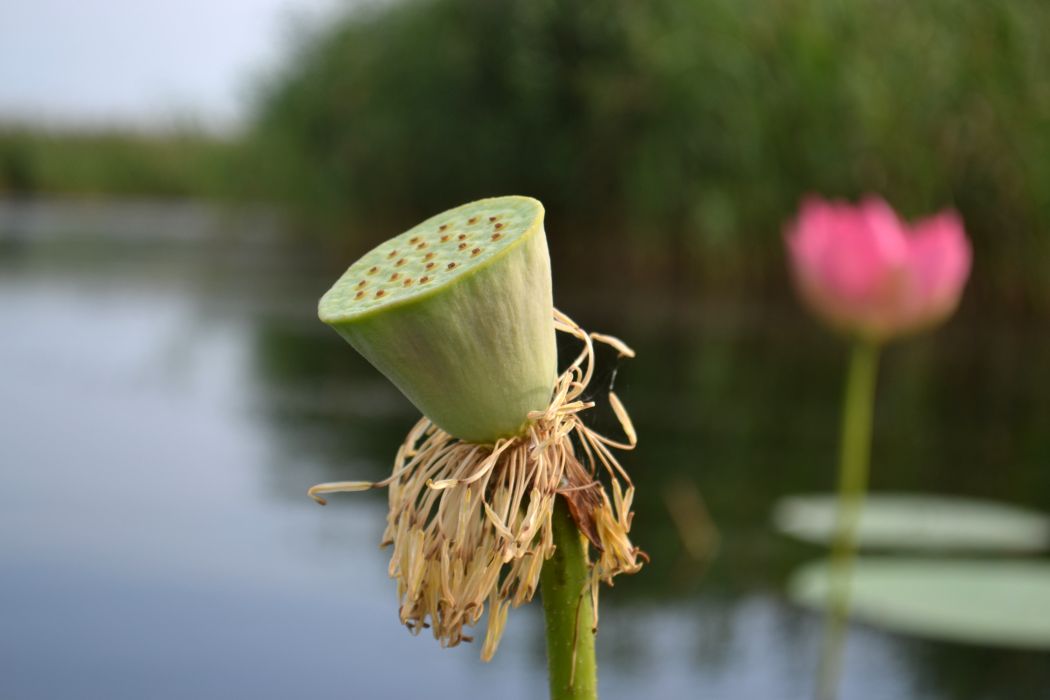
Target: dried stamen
point(470, 524)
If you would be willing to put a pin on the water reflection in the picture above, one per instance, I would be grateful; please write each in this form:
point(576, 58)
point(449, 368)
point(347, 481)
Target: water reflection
point(166, 406)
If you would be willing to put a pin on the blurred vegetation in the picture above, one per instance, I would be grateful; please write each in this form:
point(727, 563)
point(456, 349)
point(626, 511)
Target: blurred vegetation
point(115, 162)
point(670, 140)
point(678, 134)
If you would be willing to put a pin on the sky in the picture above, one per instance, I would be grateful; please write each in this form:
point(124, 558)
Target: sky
point(141, 62)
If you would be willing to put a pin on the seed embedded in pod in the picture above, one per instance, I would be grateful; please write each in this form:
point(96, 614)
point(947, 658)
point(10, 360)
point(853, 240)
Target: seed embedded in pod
point(408, 281)
point(430, 265)
point(499, 225)
point(444, 239)
point(475, 253)
point(392, 254)
point(380, 294)
point(472, 220)
point(424, 279)
point(451, 266)
point(361, 284)
point(462, 246)
point(497, 236)
point(393, 277)
point(421, 246)
point(399, 263)
point(461, 237)
point(429, 256)
point(372, 270)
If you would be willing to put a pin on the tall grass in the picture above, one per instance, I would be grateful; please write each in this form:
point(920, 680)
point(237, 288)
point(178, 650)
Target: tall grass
point(675, 129)
point(116, 163)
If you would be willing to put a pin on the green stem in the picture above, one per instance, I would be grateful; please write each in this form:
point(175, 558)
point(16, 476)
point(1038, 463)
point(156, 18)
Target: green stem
point(567, 613)
point(855, 452)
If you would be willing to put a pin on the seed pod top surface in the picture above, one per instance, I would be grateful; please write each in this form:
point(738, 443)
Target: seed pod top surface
point(457, 313)
point(430, 256)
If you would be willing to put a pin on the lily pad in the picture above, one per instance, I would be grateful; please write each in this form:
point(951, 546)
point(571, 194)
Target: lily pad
point(915, 522)
point(992, 602)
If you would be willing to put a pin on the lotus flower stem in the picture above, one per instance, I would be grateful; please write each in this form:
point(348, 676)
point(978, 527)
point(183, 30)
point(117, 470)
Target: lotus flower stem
point(495, 489)
point(858, 408)
point(568, 614)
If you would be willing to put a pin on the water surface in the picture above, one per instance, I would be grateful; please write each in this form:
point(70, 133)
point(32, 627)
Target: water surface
point(168, 396)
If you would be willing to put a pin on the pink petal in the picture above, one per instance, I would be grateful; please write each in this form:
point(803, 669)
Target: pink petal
point(940, 258)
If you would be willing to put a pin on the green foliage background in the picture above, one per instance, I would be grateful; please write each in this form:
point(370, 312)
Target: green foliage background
point(670, 139)
point(115, 162)
point(689, 128)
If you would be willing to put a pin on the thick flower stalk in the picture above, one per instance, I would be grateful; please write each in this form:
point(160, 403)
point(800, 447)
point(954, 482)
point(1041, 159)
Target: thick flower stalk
point(457, 312)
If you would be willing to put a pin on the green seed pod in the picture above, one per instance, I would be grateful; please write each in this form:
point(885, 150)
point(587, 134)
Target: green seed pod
point(457, 313)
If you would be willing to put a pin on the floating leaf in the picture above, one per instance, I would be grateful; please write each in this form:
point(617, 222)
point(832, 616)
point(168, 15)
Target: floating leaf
point(993, 602)
point(916, 522)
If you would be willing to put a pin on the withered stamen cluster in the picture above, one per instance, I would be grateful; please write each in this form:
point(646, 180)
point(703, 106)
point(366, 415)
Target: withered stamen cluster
point(471, 524)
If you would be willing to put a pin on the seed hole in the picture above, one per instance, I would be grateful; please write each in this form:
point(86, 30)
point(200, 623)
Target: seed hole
point(408, 281)
point(429, 256)
point(444, 239)
point(442, 227)
point(372, 270)
point(381, 293)
point(475, 253)
point(430, 266)
point(451, 266)
point(361, 284)
point(499, 225)
point(392, 254)
point(493, 218)
point(400, 262)
point(421, 246)
point(472, 220)
point(359, 295)
point(497, 236)
point(393, 277)
point(462, 246)
point(461, 237)
point(424, 279)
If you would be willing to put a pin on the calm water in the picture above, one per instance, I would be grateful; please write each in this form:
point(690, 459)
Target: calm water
point(168, 396)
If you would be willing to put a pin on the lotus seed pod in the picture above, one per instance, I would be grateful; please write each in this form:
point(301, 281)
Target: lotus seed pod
point(457, 313)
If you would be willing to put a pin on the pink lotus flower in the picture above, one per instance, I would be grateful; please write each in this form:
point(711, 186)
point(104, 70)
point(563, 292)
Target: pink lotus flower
point(865, 271)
